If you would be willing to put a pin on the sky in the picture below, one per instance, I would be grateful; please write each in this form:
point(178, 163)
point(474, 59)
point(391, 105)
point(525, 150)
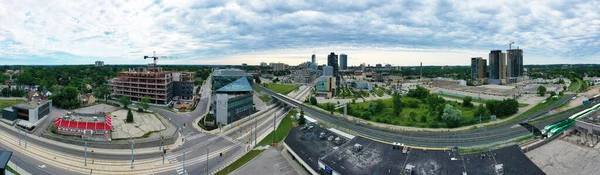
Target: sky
point(397, 32)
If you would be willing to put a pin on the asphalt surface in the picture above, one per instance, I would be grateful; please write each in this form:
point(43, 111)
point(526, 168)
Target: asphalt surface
point(481, 136)
point(196, 143)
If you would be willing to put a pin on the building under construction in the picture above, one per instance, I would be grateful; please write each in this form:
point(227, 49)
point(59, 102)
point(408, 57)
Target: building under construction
point(160, 86)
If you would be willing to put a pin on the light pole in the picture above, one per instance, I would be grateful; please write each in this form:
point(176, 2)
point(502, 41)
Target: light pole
point(25, 139)
point(184, 171)
point(132, 144)
point(207, 151)
point(85, 155)
point(19, 137)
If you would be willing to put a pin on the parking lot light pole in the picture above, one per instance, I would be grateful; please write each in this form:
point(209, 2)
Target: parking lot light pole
point(132, 144)
point(85, 155)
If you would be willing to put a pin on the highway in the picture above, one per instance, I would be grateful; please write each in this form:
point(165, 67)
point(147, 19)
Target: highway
point(477, 137)
point(41, 158)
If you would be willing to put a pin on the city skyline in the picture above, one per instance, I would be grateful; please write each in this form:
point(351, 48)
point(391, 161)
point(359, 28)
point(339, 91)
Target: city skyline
point(232, 33)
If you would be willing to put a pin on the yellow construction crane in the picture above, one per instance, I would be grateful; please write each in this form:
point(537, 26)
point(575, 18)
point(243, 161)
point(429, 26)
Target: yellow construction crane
point(155, 58)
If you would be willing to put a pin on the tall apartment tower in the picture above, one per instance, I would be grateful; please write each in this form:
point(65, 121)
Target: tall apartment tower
point(478, 68)
point(343, 62)
point(313, 60)
point(514, 60)
point(332, 60)
point(497, 66)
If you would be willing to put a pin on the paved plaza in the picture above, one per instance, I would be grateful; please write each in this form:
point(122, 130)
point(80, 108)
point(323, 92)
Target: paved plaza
point(143, 123)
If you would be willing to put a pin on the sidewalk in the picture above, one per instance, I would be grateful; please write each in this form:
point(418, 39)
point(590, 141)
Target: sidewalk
point(175, 145)
point(17, 169)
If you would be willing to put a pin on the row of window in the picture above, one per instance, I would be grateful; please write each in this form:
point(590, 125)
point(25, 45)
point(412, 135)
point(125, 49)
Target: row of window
point(239, 102)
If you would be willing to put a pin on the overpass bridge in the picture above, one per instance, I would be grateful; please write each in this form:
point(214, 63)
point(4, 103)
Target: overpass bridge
point(490, 135)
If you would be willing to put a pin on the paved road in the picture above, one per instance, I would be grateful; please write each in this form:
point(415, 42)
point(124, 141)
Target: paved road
point(481, 136)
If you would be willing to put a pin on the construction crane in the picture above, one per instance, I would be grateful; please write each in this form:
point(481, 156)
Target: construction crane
point(155, 58)
point(510, 44)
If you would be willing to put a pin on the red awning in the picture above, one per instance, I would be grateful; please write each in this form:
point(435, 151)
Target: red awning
point(59, 122)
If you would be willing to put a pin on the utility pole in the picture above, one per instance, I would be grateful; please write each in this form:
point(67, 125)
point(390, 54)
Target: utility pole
point(207, 148)
point(25, 138)
point(19, 137)
point(184, 171)
point(85, 155)
point(132, 145)
point(255, 130)
point(274, 133)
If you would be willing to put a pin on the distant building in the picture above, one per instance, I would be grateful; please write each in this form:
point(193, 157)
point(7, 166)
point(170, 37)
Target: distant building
point(388, 66)
point(326, 87)
point(378, 66)
point(328, 71)
point(263, 64)
point(332, 60)
point(367, 86)
point(478, 68)
point(304, 76)
point(314, 59)
point(99, 63)
point(514, 67)
point(497, 67)
point(277, 66)
point(244, 64)
point(28, 114)
point(232, 95)
point(343, 62)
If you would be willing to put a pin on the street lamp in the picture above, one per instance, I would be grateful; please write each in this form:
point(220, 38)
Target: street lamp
point(132, 145)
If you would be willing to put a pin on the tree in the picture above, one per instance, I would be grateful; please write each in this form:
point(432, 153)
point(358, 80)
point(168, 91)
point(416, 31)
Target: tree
point(541, 90)
point(301, 120)
point(257, 80)
point(564, 88)
point(129, 116)
point(423, 118)
point(419, 93)
point(561, 93)
point(397, 102)
point(145, 103)
point(502, 108)
point(481, 111)
point(125, 101)
point(413, 116)
point(451, 116)
point(102, 92)
point(467, 101)
point(552, 93)
point(313, 100)
point(354, 101)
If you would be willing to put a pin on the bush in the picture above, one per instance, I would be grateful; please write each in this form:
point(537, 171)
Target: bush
point(412, 103)
point(467, 101)
point(140, 110)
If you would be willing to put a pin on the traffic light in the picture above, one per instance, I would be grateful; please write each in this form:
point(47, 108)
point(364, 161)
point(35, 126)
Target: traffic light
point(164, 151)
point(220, 154)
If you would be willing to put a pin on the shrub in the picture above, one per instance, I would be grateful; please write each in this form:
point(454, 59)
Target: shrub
point(129, 116)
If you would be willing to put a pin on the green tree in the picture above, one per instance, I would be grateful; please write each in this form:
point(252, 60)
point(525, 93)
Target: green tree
point(125, 101)
point(419, 93)
point(561, 93)
point(257, 80)
point(413, 116)
point(451, 116)
point(102, 92)
point(423, 118)
point(564, 88)
point(552, 93)
point(397, 103)
point(313, 100)
point(481, 111)
point(129, 118)
point(301, 119)
point(467, 101)
point(145, 103)
point(541, 90)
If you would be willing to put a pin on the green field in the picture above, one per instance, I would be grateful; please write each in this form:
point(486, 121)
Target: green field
point(240, 162)
point(7, 103)
point(386, 113)
point(265, 98)
point(284, 128)
point(537, 108)
point(575, 86)
point(282, 88)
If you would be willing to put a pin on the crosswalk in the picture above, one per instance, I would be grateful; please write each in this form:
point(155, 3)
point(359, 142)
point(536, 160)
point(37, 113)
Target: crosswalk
point(178, 169)
point(232, 140)
point(193, 137)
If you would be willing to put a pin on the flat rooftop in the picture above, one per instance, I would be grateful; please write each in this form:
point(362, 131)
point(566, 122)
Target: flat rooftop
point(85, 117)
point(309, 147)
point(380, 158)
point(31, 104)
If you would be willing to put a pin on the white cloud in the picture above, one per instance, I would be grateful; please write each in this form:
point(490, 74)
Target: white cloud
point(232, 32)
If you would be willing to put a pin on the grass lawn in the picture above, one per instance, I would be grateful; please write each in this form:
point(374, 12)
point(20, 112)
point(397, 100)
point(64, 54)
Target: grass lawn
point(240, 162)
point(537, 108)
point(265, 98)
point(282, 88)
point(575, 86)
point(386, 114)
point(7, 103)
point(282, 130)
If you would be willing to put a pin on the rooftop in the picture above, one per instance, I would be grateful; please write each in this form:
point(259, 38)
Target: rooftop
point(239, 85)
point(31, 104)
point(229, 72)
point(4, 158)
point(309, 146)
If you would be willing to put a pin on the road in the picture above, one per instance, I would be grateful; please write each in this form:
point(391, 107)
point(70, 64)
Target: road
point(477, 137)
point(41, 158)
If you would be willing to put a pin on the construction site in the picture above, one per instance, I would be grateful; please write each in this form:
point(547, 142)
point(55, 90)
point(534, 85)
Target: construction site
point(162, 87)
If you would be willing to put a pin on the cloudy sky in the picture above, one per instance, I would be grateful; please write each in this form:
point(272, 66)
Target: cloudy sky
point(404, 33)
